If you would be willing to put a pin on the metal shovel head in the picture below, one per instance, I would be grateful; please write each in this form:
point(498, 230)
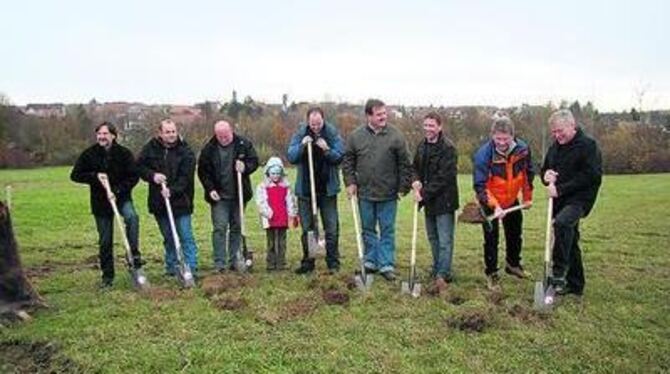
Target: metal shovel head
point(186, 276)
point(363, 282)
point(409, 288)
point(543, 297)
point(240, 263)
point(139, 279)
point(248, 259)
point(316, 248)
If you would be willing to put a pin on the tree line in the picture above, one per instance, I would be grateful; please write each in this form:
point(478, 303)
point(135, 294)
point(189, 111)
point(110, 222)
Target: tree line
point(631, 142)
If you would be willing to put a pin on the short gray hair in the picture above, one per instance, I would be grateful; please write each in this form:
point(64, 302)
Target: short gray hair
point(562, 116)
point(502, 123)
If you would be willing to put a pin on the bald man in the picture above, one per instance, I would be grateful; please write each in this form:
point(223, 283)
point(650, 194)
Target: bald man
point(225, 154)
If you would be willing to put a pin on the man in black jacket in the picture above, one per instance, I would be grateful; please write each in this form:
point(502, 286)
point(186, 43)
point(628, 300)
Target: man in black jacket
point(108, 159)
point(168, 159)
point(224, 155)
point(572, 170)
point(436, 188)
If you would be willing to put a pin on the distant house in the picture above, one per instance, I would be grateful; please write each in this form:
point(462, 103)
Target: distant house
point(45, 110)
point(185, 114)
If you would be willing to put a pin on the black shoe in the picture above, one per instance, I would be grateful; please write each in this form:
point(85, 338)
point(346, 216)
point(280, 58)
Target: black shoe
point(389, 275)
point(304, 270)
point(333, 271)
point(369, 270)
point(138, 262)
point(106, 283)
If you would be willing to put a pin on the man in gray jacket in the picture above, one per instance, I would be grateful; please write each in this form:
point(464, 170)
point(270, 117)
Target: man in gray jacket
point(376, 168)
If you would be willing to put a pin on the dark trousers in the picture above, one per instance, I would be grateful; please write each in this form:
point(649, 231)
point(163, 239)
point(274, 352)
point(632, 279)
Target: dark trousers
point(512, 226)
point(105, 226)
point(568, 269)
point(327, 205)
point(276, 248)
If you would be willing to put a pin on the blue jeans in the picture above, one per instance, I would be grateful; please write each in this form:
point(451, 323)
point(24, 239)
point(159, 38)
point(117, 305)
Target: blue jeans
point(331, 226)
point(226, 228)
point(440, 232)
point(185, 232)
point(105, 226)
point(379, 247)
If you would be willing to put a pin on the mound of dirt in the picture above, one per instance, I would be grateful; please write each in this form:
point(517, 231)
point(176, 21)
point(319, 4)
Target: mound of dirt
point(496, 297)
point(455, 299)
point(220, 283)
point(470, 322)
point(158, 294)
point(437, 287)
point(292, 310)
point(230, 303)
point(335, 297)
point(34, 357)
point(526, 315)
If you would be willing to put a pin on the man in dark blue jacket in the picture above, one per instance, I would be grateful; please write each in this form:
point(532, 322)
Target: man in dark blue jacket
point(572, 170)
point(110, 160)
point(328, 150)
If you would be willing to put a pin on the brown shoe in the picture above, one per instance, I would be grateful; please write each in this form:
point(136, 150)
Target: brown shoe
point(517, 271)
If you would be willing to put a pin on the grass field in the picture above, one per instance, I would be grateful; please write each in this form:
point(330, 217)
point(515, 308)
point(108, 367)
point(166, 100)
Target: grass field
point(279, 322)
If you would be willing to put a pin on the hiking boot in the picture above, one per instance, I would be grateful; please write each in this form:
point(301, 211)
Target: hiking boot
point(389, 275)
point(333, 271)
point(517, 271)
point(304, 270)
point(492, 282)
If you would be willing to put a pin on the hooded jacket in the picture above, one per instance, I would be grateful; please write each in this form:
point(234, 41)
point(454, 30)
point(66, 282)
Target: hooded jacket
point(275, 212)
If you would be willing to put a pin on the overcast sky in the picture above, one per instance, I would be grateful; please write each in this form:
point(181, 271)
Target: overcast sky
point(404, 52)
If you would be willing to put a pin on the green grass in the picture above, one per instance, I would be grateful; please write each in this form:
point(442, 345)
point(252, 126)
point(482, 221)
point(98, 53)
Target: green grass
point(621, 325)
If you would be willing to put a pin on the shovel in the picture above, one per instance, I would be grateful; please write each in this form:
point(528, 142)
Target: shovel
point(184, 274)
point(411, 286)
point(137, 277)
point(244, 258)
point(543, 297)
point(363, 280)
point(316, 247)
point(8, 193)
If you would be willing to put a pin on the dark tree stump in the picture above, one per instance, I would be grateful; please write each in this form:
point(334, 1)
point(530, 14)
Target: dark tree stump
point(16, 292)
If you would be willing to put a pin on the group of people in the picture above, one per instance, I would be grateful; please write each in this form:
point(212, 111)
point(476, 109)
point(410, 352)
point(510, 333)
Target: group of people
point(377, 169)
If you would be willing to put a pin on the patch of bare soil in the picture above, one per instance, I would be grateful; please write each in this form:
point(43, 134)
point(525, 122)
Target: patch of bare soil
point(292, 310)
point(229, 303)
point(34, 357)
point(527, 315)
point(437, 288)
point(496, 297)
point(334, 290)
point(158, 294)
point(220, 283)
point(469, 322)
point(335, 297)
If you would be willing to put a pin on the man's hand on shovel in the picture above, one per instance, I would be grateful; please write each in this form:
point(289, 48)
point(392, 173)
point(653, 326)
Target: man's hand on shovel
point(104, 180)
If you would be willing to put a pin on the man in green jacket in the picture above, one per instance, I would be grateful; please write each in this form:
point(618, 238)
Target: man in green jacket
point(376, 168)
